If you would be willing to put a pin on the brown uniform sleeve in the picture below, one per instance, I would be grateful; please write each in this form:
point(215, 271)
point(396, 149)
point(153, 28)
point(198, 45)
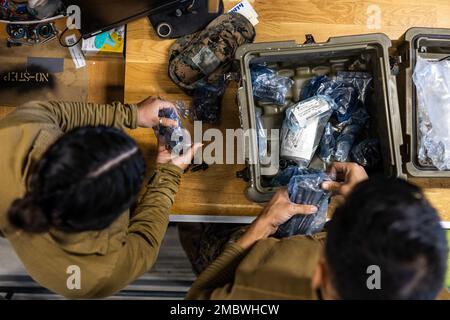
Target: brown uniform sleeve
point(215, 280)
point(70, 115)
point(146, 231)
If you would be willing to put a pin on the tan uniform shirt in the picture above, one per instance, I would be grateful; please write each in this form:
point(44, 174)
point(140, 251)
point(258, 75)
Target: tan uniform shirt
point(271, 270)
point(108, 260)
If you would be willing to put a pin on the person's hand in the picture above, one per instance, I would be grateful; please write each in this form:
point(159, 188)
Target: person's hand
point(347, 176)
point(181, 161)
point(279, 210)
point(148, 113)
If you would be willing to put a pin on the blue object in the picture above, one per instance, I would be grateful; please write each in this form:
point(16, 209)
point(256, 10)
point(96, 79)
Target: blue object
point(362, 81)
point(207, 100)
point(104, 38)
point(173, 138)
point(328, 144)
point(262, 136)
point(367, 153)
point(345, 141)
point(305, 188)
point(268, 86)
point(284, 176)
point(344, 95)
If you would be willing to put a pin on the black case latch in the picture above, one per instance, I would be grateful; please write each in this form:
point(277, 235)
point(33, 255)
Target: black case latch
point(309, 39)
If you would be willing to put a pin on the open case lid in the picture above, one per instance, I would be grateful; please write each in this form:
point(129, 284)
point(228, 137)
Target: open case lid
point(428, 43)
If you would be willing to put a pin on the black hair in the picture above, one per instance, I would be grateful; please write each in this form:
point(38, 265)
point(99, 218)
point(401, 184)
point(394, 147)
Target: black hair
point(389, 224)
point(83, 182)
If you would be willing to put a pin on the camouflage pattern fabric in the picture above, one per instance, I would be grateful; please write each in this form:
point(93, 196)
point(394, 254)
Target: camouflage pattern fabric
point(204, 242)
point(208, 53)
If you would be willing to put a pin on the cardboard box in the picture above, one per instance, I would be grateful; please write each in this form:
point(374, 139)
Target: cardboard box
point(109, 43)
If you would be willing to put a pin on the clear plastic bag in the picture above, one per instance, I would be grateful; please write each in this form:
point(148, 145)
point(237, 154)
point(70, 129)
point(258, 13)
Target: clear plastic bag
point(362, 81)
point(173, 138)
point(305, 188)
point(328, 144)
point(432, 80)
point(303, 128)
point(345, 141)
point(283, 177)
point(183, 109)
point(367, 153)
point(207, 100)
point(268, 86)
point(262, 136)
point(349, 91)
point(344, 95)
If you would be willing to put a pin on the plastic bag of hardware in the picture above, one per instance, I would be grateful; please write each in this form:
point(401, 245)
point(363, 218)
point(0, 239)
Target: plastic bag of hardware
point(306, 189)
point(432, 80)
point(284, 176)
point(303, 127)
point(183, 109)
point(345, 141)
point(312, 86)
point(173, 138)
point(207, 100)
point(367, 153)
point(328, 144)
point(268, 86)
point(349, 91)
point(262, 136)
point(344, 95)
point(362, 81)
point(359, 117)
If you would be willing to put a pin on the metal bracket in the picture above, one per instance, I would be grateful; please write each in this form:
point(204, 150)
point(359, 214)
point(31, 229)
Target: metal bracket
point(244, 174)
point(395, 62)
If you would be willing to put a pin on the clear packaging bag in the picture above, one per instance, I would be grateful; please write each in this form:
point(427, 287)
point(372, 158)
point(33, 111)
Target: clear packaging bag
point(345, 141)
point(328, 144)
point(344, 95)
point(268, 86)
point(305, 188)
point(207, 100)
point(349, 91)
point(432, 80)
point(262, 136)
point(173, 138)
point(284, 176)
point(367, 153)
point(303, 128)
point(362, 81)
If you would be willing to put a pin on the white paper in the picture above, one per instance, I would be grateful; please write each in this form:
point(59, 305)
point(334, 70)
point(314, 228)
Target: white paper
point(246, 9)
point(75, 52)
point(300, 145)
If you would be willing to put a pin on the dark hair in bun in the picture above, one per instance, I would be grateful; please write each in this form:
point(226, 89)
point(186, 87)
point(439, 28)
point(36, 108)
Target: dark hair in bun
point(26, 215)
point(83, 182)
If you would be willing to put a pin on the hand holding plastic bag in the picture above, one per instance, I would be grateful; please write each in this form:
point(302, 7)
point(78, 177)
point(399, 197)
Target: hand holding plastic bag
point(306, 189)
point(173, 138)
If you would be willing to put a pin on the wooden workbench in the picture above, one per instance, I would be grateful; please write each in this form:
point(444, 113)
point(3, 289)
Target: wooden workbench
point(216, 194)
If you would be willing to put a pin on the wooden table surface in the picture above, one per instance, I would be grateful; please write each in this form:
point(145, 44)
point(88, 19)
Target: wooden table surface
point(217, 191)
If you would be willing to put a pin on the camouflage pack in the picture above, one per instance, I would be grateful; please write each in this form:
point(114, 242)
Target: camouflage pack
point(208, 54)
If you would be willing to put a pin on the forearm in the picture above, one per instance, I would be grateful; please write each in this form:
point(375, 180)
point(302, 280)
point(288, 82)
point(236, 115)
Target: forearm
point(146, 231)
point(70, 115)
point(151, 217)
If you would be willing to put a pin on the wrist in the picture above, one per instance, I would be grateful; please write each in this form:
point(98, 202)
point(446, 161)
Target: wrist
point(260, 229)
point(140, 116)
